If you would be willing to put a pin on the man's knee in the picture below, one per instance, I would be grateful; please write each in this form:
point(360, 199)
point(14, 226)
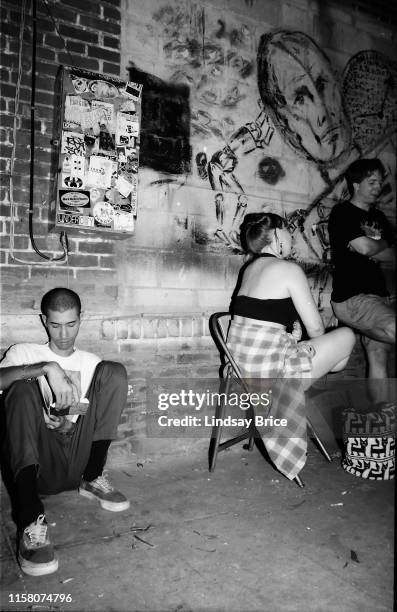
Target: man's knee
point(383, 336)
point(348, 337)
point(383, 325)
point(114, 369)
point(390, 331)
point(377, 352)
point(21, 392)
point(112, 375)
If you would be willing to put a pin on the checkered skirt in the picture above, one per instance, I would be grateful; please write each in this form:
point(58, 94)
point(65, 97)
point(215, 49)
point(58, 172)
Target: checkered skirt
point(266, 352)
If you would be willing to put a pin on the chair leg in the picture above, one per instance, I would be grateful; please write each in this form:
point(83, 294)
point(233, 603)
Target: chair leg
point(217, 429)
point(299, 481)
point(318, 441)
point(251, 438)
point(251, 442)
point(212, 453)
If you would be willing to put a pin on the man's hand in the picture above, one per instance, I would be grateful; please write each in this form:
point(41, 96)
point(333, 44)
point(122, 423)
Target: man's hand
point(66, 392)
point(372, 230)
point(80, 408)
point(55, 422)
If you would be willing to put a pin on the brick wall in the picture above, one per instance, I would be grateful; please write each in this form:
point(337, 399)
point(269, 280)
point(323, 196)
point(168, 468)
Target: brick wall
point(91, 33)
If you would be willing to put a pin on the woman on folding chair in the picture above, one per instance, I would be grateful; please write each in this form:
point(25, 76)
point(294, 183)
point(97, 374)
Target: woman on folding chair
point(268, 306)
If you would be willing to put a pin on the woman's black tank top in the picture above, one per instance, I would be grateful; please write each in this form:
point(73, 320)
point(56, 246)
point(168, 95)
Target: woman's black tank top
point(278, 311)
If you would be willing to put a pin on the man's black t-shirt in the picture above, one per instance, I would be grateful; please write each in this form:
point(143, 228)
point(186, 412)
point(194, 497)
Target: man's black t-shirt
point(355, 273)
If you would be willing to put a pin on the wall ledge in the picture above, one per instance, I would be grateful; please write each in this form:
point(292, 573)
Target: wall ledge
point(149, 327)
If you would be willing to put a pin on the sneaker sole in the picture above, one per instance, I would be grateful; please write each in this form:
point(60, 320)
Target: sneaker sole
point(37, 569)
point(106, 505)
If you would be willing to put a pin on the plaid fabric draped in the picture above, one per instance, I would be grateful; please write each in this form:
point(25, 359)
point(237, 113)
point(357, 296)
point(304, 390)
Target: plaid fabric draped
point(266, 352)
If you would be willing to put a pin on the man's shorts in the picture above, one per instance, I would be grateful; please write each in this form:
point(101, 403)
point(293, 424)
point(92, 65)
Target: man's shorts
point(370, 315)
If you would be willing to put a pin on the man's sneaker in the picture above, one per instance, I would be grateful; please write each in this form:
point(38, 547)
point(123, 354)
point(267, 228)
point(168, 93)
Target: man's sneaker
point(101, 490)
point(35, 552)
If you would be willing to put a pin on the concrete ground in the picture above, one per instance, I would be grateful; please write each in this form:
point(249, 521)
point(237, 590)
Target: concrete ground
point(242, 539)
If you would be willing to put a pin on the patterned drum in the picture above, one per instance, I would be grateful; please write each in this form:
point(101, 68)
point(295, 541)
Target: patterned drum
point(370, 442)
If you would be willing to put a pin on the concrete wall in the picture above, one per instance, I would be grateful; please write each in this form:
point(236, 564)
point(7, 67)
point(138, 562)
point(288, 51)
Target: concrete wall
point(243, 154)
point(204, 132)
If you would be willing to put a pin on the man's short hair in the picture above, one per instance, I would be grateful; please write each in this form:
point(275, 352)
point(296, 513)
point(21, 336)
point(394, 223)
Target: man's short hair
point(60, 299)
point(360, 169)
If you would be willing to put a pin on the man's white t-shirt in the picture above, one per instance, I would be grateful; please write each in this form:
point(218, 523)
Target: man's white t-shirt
point(79, 366)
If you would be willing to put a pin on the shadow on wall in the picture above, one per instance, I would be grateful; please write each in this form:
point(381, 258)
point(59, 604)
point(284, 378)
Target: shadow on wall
point(165, 124)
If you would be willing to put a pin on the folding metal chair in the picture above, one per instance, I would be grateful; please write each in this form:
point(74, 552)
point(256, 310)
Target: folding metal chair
point(219, 325)
point(230, 372)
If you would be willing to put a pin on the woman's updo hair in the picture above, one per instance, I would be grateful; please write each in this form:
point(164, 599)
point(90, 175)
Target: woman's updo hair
point(256, 231)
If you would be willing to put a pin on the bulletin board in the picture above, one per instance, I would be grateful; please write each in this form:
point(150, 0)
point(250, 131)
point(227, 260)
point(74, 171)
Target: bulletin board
point(97, 183)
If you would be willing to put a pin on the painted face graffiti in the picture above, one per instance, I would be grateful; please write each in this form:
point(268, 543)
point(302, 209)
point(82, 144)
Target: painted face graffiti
point(297, 83)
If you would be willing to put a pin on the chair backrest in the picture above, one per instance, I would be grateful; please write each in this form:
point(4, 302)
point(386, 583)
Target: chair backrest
point(219, 325)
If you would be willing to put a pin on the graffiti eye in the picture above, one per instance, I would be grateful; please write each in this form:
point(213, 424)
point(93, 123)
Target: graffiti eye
point(302, 95)
point(300, 99)
point(320, 84)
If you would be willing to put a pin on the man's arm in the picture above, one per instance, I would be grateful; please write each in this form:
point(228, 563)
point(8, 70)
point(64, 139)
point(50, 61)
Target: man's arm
point(378, 240)
point(343, 228)
point(386, 256)
point(65, 391)
point(368, 246)
point(11, 374)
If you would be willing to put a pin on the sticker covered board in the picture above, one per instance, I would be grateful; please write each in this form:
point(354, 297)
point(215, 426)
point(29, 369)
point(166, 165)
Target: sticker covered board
point(99, 130)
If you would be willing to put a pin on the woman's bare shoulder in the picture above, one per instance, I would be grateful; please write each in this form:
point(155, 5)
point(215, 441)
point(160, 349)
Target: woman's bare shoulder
point(291, 266)
point(279, 266)
point(292, 270)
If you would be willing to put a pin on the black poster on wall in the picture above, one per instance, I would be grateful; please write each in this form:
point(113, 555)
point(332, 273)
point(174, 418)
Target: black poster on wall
point(165, 124)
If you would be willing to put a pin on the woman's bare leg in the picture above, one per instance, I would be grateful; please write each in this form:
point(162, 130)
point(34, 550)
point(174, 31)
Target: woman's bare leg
point(332, 353)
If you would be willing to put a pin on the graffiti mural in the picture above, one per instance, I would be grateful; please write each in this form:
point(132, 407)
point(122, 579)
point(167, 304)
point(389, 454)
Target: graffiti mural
point(302, 99)
point(251, 136)
point(299, 88)
point(273, 126)
point(215, 59)
point(370, 95)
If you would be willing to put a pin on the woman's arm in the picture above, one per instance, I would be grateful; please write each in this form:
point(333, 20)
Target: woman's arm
point(302, 298)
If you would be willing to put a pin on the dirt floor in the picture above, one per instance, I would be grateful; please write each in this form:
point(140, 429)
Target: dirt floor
point(240, 539)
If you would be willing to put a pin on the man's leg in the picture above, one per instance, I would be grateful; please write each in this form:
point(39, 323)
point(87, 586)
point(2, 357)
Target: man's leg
point(374, 318)
point(33, 454)
point(95, 431)
point(378, 355)
point(371, 315)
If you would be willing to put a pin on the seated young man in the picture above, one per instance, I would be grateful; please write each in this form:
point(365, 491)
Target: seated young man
point(53, 441)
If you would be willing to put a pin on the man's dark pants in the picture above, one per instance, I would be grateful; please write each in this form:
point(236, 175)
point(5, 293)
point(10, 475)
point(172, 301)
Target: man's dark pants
point(60, 459)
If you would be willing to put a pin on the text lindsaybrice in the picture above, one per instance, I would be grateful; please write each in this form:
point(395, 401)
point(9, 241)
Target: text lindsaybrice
point(211, 421)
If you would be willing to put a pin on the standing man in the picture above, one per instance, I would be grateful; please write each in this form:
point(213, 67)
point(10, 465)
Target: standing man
point(361, 238)
point(61, 408)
